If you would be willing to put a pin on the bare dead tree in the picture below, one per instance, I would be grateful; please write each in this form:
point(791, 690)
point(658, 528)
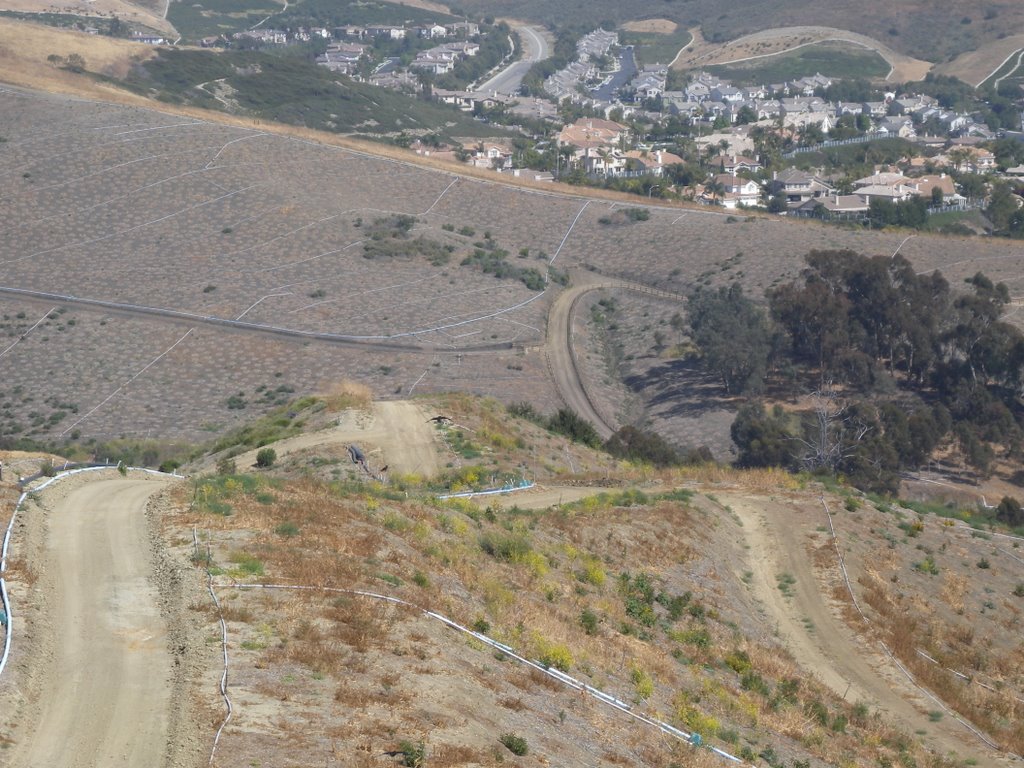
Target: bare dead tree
point(834, 434)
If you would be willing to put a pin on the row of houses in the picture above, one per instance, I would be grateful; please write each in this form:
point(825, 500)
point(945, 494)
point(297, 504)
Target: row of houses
point(443, 58)
point(708, 98)
point(391, 32)
point(590, 47)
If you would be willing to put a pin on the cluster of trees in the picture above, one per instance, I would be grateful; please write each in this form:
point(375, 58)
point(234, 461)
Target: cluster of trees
point(901, 364)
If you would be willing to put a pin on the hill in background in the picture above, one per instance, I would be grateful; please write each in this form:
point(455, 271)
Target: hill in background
point(932, 31)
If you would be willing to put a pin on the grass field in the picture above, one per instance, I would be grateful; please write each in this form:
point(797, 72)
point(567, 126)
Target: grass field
point(654, 47)
point(217, 17)
point(832, 59)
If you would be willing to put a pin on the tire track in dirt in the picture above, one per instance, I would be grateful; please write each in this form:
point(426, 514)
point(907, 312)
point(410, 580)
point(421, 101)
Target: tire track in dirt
point(777, 537)
point(99, 680)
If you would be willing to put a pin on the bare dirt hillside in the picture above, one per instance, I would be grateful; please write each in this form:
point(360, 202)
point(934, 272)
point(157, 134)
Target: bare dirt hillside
point(397, 434)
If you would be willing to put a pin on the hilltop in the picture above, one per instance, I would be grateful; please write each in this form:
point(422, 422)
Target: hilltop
point(719, 602)
point(935, 32)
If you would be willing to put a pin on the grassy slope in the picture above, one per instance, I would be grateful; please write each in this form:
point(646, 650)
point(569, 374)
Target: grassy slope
point(289, 89)
point(831, 59)
point(924, 29)
point(656, 47)
point(684, 641)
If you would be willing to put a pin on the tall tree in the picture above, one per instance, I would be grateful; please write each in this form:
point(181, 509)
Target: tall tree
point(734, 336)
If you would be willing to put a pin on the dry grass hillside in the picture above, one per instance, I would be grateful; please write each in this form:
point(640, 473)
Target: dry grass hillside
point(24, 48)
point(208, 229)
point(712, 600)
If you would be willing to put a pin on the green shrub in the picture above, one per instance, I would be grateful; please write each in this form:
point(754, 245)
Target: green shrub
point(739, 661)
point(510, 547)
point(589, 621)
point(514, 744)
point(569, 423)
point(287, 530)
point(226, 466)
point(266, 457)
point(414, 754)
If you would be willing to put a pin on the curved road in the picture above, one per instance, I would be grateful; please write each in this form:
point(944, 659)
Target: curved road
point(99, 681)
point(561, 354)
point(508, 80)
point(851, 666)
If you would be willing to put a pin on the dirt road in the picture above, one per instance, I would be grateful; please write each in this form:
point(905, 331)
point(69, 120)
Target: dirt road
point(852, 667)
point(394, 433)
point(560, 350)
point(100, 682)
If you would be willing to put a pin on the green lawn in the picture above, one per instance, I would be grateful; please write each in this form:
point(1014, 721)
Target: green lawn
point(831, 59)
point(196, 19)
point(656, 48)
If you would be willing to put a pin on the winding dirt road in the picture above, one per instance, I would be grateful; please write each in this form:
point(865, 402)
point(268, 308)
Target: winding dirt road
point(561, 354)
point(99, 680)
point(855, 668)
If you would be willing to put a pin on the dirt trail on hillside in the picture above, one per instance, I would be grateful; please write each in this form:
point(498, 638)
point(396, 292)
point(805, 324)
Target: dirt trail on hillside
point(100, 673)
point(394, 433)
point(777, 535)
point(975, 67)
point(701, 53)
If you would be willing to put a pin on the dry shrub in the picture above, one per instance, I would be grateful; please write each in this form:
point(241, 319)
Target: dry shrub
point(20, 570)
point(347, 394)
point(315, 649)
point(515, 704)
point(239, 613)
point(353, 698)
point(447, 755)
point(361, 622)
point(954, 587)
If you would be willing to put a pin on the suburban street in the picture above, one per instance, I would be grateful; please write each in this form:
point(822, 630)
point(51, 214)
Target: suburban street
point(508, 80)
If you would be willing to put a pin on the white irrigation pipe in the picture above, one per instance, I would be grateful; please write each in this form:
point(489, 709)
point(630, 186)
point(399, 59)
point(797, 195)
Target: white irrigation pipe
point(892, 656)
point(224, 651)
point(555, 674)
point(8, 634)
point(568, 232)
point(145, 368)
point(488, 492)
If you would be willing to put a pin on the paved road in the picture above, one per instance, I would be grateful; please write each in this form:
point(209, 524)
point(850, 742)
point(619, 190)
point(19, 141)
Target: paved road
point(103, 670)
point(627, 71)
point(535, 48)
